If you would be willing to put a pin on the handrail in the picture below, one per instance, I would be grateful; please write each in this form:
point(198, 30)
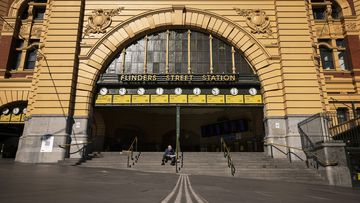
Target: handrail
point(227, 155)
point(130, 151)
point(317, 158)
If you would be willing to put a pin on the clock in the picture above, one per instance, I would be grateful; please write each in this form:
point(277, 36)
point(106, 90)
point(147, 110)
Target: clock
point(178, 90)
point(234, 91)
point(215, 91)
point(103, 91)
point(197, 91)
point(5, 111)
point(252, 91)
point(16, 110)
point(159, 91)
point(141, 91)
point(24, 111)
point(122, 91)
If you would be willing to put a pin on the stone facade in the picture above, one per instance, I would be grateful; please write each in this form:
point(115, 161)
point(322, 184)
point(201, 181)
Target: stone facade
point(77, 41)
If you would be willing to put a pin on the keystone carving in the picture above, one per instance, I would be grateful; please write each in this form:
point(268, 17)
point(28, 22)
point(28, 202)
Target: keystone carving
point(100, 20)
point(256, 19)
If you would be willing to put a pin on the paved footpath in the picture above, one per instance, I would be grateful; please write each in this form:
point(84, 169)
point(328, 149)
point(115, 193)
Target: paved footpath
point(51, 184)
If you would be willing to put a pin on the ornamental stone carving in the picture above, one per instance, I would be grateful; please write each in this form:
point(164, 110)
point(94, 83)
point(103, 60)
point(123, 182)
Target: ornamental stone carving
point(100, 20)
point(256, 19)
point(350, 27)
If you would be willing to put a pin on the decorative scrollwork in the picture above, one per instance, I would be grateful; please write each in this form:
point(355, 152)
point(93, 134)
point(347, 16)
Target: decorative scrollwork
point(256, 19)
point(100, 20)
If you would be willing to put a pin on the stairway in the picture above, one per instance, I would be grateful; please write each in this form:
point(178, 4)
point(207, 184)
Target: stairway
point(252, 165)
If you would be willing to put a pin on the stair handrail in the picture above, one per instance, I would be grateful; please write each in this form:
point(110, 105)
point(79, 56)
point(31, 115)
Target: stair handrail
point(317, 158)
point(288, 153)
point(226, 150)
point(130, 152)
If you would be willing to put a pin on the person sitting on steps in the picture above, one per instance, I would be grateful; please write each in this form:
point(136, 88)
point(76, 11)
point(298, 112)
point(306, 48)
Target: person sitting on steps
point(169, 154)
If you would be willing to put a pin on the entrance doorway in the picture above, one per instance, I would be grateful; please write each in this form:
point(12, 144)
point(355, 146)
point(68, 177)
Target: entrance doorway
point(200, 130)
point(9, 139)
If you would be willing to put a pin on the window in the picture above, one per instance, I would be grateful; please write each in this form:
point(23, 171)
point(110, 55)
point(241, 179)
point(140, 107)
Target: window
point(326, 10)
point(168, 52)
point(16, 57)
point(319, 13)
point(342, 115)
point(327, 60)
point(333, 54)
point(39, 13)
point(336, 12)
point(31, 58)
point(24, 53)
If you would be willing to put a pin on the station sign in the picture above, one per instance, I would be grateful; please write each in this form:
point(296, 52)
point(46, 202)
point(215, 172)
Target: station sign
point(178, 77)
point(177, 99)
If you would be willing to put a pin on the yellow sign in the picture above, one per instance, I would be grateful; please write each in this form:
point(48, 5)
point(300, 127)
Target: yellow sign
point(122, 99)
point(215, 99)
point(234, 99)
point(140, 99)
point(5, 118)
point(178, 99)
point(15, 118)
point(197, 99)
point(159, 99)
point(358, 176)
point(103, 99)
point(250, 99)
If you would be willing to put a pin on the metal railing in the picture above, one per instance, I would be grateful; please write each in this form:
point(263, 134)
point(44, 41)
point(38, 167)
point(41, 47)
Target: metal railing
point(130, 151)
point(83, 150)
point(226, 150)
point(309, 154)
point(288, 153)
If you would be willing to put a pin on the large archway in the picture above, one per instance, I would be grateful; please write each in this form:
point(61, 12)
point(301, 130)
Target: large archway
point(97, 59)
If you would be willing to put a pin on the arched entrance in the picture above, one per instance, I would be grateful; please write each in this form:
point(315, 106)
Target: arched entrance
point(212, 82)
point(11, 127)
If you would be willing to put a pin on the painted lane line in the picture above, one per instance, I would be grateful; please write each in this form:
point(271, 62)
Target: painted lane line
point(166, 200)
point(197, 197)
point(179, 194)
point(187, 193)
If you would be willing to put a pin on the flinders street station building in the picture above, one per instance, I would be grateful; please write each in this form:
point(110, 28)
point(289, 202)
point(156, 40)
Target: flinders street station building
point(276, 78)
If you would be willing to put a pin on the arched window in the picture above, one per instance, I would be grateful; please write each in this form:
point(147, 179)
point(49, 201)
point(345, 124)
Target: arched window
point(179, 52)
point(326, 9)
point(26, 39)
point(333, 54)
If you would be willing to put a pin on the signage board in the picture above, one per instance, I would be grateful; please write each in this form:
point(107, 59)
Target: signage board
point(159, 99)
point(234, 99)
point(103, 99)
point(197, 99)
point(253, 99)
point(140, 99)
point(178, 99)
point(215, 99)
point(122, 99)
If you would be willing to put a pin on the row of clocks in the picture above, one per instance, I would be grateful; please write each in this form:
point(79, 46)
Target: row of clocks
point(15, 111)
point(178, 91)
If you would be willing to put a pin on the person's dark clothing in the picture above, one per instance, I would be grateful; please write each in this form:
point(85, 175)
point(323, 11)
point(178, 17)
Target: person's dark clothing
point(168, 155)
